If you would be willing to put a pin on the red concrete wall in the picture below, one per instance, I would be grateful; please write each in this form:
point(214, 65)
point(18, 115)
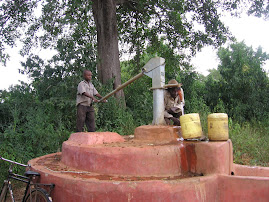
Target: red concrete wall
point(96, 154)
point(134, 161)
point(214, 157)
point(206, 188)
point(74, 189)
point(157, 133)
point(90, 138)
point(243, 170)
point(207, 157)
point(245, 189)
point(145, 158)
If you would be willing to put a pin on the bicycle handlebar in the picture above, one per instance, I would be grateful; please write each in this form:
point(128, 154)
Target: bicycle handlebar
point(20, 164)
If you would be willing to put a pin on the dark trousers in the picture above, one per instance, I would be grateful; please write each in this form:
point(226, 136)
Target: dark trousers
point(85, 114)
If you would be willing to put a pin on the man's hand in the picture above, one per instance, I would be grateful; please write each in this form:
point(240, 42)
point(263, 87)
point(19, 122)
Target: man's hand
point(103, 101)
point(176, 121)
point(89, 96)
point(94, 99)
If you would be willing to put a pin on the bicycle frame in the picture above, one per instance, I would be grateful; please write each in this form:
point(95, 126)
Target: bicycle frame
point(14, 176)
point(26, 179)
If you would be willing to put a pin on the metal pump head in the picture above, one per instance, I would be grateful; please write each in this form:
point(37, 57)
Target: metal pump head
point(152, 64)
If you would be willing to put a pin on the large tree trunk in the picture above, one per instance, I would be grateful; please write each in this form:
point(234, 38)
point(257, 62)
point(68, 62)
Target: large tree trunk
point(108, 67)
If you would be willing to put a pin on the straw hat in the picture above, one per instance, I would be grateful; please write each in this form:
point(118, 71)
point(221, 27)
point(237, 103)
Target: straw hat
point(173, 83)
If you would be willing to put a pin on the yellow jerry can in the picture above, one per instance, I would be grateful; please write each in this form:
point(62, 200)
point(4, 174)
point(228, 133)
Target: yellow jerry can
point(218, 126)
point(191, 126)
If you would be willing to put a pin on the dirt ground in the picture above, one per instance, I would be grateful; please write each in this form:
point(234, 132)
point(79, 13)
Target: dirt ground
point(18, 191)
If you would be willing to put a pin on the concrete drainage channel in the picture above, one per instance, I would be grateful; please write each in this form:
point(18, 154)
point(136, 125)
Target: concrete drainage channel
point(152, 166)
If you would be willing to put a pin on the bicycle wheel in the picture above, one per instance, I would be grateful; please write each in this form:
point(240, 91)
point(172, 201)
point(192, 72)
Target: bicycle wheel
point(3, 192)
point(38, 195)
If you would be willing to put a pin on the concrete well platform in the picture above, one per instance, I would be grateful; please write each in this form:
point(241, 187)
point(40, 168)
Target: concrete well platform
point(105, 167)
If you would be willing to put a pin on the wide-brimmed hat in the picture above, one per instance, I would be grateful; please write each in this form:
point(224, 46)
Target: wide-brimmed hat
point(172, 84)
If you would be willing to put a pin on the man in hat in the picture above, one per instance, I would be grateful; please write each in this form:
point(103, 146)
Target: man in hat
point(85, 97)
point(173, 102)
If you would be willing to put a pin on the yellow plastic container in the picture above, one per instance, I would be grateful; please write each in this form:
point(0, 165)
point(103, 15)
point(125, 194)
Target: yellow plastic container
point(218, 126)
point(191, 126)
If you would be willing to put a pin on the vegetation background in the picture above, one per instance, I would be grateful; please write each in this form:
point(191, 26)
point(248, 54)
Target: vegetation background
point(36, 118)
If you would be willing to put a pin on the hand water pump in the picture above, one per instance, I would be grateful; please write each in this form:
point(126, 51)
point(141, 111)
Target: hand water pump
point(155, 69)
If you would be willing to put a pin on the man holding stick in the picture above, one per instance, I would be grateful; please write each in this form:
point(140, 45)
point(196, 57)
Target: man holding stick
point(86, 93)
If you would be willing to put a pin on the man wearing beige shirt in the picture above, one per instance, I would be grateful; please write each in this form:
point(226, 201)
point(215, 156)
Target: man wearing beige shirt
point(173, 102)
point(85, 97)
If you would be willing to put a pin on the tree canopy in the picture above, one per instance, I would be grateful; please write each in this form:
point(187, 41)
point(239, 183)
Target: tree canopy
point(82, 32)
point(244, 85)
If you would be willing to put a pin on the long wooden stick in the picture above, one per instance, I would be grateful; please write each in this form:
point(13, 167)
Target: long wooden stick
point(122, 86)
point(151, 64)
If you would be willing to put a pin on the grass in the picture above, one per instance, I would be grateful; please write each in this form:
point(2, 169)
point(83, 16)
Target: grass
point(250, 143)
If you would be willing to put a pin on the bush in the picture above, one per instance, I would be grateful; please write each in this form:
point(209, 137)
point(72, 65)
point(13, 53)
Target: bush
point(33, 128)
point(113, 117)
point(250, 142)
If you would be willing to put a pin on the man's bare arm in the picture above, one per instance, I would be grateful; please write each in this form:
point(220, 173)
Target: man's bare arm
point(100, 96)
point(92, 97)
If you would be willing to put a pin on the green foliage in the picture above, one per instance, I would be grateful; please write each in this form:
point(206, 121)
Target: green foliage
point(244, 85)
point(250, 142)
point(259, 9)
point(138, 96)
point(14, 16)
point(212, 92)
point(139, 99)
point(138, 22)
point(29, 127)
point(68, 27)
point(113, 117)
